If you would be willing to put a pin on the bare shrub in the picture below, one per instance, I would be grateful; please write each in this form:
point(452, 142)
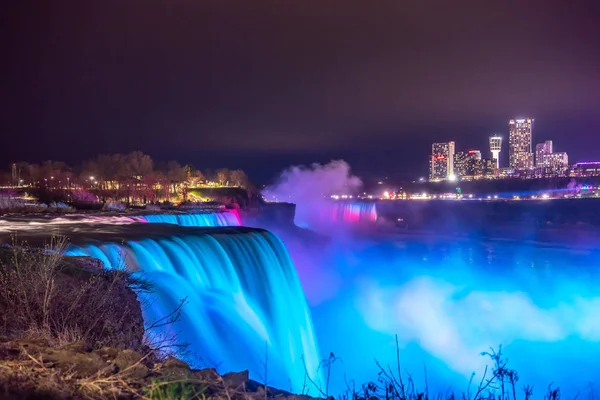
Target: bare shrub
point(83, 196)
point(166, 343)
point(66, 299)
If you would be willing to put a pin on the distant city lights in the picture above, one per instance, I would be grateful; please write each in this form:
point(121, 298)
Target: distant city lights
point(581, 191)
point(526, 161)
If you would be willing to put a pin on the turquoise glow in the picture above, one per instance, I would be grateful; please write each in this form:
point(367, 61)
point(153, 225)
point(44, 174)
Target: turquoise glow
point(244, 296)
point(199, 219)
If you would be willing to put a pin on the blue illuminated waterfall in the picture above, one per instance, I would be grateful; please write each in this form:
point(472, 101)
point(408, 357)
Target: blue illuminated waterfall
point(244, 298)
point(194, 219)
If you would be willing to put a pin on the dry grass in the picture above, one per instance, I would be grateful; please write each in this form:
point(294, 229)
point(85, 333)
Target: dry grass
point(46, 295)
point(499, 382)
point(31, 374)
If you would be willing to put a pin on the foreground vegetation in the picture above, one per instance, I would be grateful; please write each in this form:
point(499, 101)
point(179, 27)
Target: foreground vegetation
point(32, 368)
point(71, 329)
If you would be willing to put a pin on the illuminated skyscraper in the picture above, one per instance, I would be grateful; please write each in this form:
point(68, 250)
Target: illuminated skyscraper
point(461, 164)
point(495, 148)
point(542, 150)
point(442, 161)
point(468, 164)
point(519, 144)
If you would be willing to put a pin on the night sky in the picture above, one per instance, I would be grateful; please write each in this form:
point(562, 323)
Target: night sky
point(259, 85)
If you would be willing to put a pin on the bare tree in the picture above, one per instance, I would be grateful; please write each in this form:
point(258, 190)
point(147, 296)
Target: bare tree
point(238, 177)
point(195, 177)
point(139, 164)
point(176, 174)
point(223, 176)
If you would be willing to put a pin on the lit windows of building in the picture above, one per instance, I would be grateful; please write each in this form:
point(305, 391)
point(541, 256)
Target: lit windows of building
point(495, 148)
point(541, 150)
point(475, 154)
point(469, 165)
point(519, 144)
point(591, 168)
point(461, 164)
point(442, 161)
point(489, 167)
point(555, 163)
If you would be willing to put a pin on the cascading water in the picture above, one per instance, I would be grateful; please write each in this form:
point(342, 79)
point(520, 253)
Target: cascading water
point(350, 212)
point(326, 215)
point(244, 298)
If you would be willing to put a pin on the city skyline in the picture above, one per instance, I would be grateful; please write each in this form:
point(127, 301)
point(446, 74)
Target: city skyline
point(447, 163)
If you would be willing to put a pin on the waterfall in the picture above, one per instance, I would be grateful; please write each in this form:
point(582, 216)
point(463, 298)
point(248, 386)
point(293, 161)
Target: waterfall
point(244, 298)
point(350, 212)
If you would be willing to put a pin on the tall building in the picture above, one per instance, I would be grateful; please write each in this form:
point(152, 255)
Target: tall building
point(541, 150)
point(442, 161)
point(470, 165)
point(495, 148)
point(461, 164)
point(489, 167)
point(519, 144)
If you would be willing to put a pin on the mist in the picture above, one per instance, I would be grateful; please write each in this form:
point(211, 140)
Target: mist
point(311, 187)
point(446, 310)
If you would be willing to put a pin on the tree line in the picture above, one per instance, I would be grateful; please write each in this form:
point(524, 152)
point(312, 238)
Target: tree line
point(131, 173)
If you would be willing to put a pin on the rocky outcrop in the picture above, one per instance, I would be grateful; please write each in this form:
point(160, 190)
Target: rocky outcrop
point(64, 299)
point(34, 369)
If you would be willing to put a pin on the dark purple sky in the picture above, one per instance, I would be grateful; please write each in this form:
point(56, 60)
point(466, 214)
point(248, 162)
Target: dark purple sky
point(261, 84)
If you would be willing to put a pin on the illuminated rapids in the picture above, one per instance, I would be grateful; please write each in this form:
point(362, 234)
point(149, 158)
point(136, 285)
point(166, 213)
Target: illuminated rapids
point(194, 219)
point(243, 296)
point(197, 219)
